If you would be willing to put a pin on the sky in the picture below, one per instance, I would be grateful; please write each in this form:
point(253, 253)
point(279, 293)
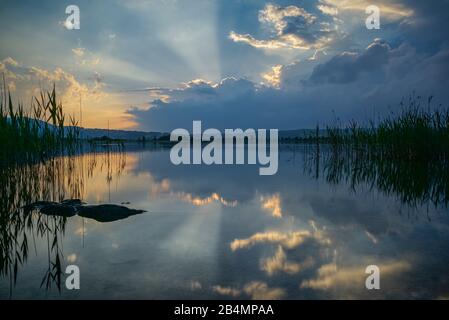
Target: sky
point(157, 65)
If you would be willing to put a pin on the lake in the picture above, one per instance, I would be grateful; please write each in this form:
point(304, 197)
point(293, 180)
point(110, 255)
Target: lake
point(225, 232)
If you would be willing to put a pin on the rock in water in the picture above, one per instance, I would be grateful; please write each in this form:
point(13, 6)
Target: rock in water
point(36, 205)
point(107, 212)
point(71, 207)
point(58, 209)
point(66, 208)
point(73, 202)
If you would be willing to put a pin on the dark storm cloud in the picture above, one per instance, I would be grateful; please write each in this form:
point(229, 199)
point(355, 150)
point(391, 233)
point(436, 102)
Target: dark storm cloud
point(232, 101)
point(347, 66)
point(352, 84)
point(428, 28)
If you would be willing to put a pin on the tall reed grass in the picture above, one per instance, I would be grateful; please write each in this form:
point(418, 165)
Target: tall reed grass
point(40, 129)
point(418, 132)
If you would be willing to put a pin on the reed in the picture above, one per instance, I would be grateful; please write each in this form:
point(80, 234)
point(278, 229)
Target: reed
point(419, 132)
point(55, 179)
point(404, 154)
point(40, 129)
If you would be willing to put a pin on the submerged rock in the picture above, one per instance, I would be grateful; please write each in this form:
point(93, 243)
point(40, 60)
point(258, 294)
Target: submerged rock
point(37, 206)
point(73, 202)
point(71, 207)
point(58, 209)
point(107, 212)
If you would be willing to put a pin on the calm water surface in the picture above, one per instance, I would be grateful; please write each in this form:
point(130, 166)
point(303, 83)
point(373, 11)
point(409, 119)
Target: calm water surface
point(216, 232)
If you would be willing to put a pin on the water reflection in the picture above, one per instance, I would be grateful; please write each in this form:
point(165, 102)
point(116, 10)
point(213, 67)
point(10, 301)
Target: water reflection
point(28, 210)
point(414, 183)
point(226, 232)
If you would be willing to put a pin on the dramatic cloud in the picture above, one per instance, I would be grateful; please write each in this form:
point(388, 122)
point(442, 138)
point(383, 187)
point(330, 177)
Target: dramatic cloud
point(331, 276)
point(304, 93)
point(85, 57)
point(72, 89)
point(256, 290)
point(214, 197)
point(273, 77)
point(273, 204)
point(228, 102)
point(292, 28)
point(279, 263)
point(329, 10)
point(390, 9)
point(287, 240)
point(79, 52)
point(347, 66)
point(428, 28)
point(227, 291)
point(97, 102)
